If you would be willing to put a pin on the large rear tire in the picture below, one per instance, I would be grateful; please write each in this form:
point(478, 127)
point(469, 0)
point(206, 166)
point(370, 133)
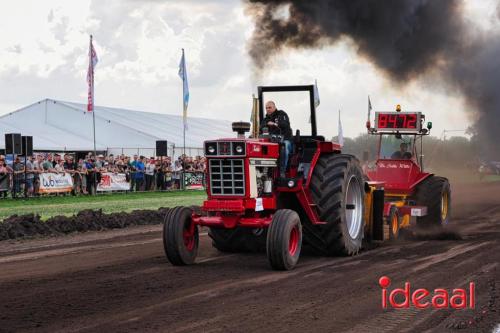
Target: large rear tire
point(284, 240)
point(394, 221)
point(238, 239)
point(337, 188)
point(434, 193)
point(180, 236)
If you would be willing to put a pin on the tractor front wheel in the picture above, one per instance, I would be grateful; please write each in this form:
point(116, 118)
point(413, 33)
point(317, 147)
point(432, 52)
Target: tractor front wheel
point(435, 194)
point(284, 240)
point(180, 236)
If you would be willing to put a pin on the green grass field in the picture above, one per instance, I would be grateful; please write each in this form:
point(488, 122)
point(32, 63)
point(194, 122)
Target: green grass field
point(117, 202)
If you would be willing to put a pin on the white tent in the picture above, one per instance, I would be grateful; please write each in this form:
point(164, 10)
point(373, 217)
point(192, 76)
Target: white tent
point(65, 126)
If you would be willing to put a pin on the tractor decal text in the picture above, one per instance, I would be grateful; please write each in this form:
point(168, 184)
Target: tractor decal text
point(393, 165)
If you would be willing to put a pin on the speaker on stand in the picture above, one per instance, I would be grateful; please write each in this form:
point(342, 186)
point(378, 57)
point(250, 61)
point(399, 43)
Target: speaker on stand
point(161, 148)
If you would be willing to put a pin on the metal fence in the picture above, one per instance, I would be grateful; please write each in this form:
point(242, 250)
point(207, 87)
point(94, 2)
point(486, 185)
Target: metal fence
point(77, 183)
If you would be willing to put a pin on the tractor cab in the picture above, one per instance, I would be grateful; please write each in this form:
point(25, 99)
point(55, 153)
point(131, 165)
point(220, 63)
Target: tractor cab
point(257, 202)
point(399, 160)
point(305, 142)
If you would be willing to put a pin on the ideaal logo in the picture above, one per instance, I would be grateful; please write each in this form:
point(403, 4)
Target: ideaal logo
point(401, 298)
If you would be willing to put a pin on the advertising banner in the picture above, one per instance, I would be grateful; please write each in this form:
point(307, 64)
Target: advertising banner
point(193, 180)
point(113, 182)
point(55, 182)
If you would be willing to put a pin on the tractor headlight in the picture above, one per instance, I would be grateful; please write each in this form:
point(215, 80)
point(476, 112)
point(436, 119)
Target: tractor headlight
point(291, 183)
point(211, 148)
point(238, 148)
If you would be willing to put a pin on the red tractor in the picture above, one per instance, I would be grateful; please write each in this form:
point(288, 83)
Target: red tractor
point(323, 200)
point(412, 196)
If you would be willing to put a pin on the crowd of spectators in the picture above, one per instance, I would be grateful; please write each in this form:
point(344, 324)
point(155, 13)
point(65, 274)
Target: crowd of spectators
point(143, 174)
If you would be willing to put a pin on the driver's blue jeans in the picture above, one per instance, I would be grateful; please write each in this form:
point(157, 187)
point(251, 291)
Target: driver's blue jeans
point(288, 151)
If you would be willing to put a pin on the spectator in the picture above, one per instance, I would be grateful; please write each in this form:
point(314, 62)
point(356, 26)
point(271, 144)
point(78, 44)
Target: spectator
point(160, 175)
point(4, 177)
point(91, 176)
point(82, 175)
point(59, 166)
point(132, 168)
point(30, 175)
point(150, 173)
point(138, 176)
point(167, 167)
point(177, 173)
point(37, 170)
point(99, 163)
point(71, 168)
point(48, 165)
point(18, 169)
point(57, 159)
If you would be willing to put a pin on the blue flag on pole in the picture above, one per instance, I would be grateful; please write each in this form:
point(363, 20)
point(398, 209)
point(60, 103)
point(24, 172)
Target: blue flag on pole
point(316, 94)
point(185, 88)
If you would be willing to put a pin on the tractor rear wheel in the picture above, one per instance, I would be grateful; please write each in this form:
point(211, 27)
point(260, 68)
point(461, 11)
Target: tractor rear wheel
point(394, 220)
point(238, 239)
point(180, 236)
point(284, 240)
point(434, 193)
point(337, 188)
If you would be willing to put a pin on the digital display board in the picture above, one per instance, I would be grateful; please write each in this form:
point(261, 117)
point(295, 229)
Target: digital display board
point(398, 121)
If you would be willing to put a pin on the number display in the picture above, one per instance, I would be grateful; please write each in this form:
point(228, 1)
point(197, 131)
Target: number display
point(398, 121)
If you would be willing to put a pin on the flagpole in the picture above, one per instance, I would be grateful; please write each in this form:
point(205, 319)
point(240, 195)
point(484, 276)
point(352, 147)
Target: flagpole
point(92, 87)
point(183, 106)
point(91, 65)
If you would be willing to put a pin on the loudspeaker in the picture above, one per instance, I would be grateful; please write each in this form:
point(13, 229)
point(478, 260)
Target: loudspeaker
point(161, 148)
point(27, 145)
point(13, 144)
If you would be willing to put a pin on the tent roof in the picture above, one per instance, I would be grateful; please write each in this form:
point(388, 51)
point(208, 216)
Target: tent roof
point(60, 125)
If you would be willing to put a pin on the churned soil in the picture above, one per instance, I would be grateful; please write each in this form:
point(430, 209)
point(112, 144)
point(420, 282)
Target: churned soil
point(30, 225)
point(120, 281)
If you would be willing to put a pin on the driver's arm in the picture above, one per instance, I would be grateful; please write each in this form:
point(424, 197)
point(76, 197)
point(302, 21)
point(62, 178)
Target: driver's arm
point(263, 124)
point(283, 122)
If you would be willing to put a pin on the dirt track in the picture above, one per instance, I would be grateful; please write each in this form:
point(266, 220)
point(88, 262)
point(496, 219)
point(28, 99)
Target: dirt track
point(120, 281)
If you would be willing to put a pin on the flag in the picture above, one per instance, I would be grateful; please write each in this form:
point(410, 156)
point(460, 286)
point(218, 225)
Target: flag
point(316, 94)
point(368, 126)
point(90, 76)
point(185, 88)
point(340, 137)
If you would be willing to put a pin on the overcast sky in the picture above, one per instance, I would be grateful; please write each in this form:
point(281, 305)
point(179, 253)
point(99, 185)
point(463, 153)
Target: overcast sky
point(44, 47)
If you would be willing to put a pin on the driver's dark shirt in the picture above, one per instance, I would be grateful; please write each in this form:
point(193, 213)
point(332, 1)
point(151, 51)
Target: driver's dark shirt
point(397, 155)
point(281, 119)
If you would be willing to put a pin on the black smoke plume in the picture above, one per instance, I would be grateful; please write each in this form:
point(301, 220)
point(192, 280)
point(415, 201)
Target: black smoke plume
point(405, 39)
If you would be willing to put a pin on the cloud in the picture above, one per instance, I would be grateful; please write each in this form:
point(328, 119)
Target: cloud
point(139, 41)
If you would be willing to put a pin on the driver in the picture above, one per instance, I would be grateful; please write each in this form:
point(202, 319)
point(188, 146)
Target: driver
point(278, 123)
point(402, 153)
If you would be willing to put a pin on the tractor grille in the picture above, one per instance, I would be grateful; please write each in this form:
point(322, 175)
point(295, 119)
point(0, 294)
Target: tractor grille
point(227, 177)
